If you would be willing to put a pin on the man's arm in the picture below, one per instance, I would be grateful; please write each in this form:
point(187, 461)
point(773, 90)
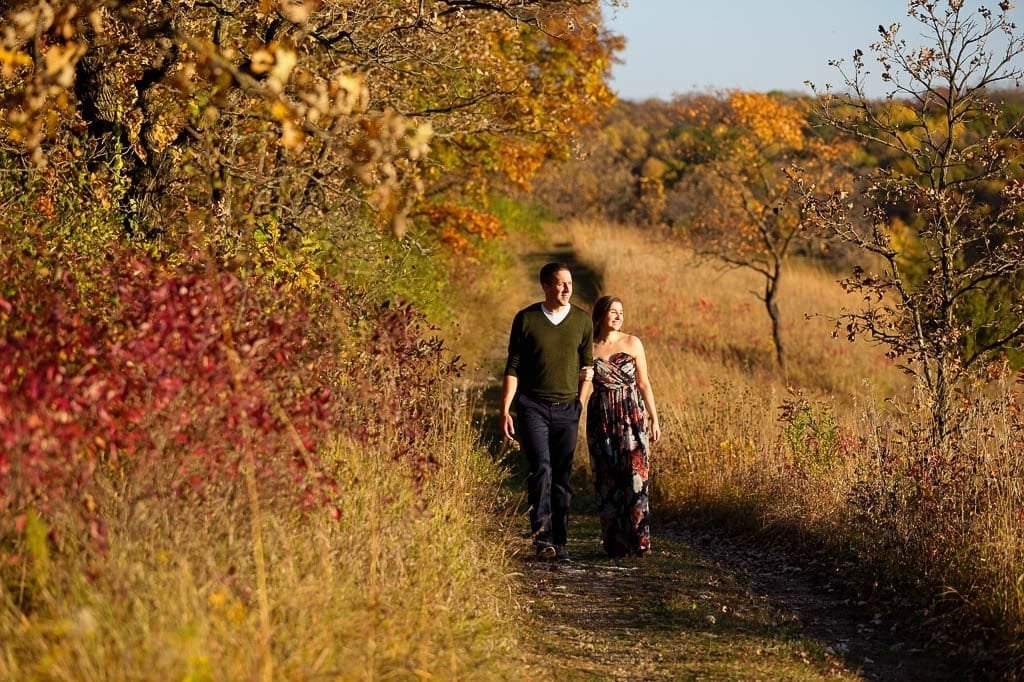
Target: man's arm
point(586, 354)
point(508, 394)
point(586, 384)
point(510, 384)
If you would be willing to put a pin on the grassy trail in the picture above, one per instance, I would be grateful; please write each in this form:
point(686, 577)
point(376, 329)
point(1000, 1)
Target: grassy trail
point(701, 607)
point(676, 615)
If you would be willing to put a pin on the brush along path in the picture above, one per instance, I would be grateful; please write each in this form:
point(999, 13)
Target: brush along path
point(702, 607)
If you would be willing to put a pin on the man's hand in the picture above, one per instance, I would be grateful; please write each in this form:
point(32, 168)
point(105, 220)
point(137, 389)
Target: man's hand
point(507, 426)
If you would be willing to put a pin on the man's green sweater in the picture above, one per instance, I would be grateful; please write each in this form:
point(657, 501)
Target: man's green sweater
point(546, 358)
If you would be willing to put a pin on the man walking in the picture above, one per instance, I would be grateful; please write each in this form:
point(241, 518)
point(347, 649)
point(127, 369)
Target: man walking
point(547, 375)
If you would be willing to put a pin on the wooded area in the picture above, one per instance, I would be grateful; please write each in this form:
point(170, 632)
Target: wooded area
point(230, 232)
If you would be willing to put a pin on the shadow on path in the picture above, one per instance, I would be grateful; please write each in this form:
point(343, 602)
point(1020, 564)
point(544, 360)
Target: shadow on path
point(818, 607)
point(706, 607)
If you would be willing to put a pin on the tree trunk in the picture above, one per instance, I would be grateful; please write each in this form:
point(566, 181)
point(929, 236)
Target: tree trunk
point(772, 306)
point(942, 405)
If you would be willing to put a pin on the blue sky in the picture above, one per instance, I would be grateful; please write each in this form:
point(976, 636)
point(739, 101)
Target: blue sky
point(679, 46)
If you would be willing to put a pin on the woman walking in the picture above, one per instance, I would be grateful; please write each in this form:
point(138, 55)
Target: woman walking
point(622, 422)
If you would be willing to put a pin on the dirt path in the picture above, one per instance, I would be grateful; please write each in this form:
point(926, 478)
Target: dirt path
point(706, 607)
point(703, 607)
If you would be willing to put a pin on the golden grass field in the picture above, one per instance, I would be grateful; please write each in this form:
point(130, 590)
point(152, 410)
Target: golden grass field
point(846, 467)
point(415, 579)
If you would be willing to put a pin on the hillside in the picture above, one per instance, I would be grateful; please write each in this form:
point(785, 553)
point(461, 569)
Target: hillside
point(727, 594)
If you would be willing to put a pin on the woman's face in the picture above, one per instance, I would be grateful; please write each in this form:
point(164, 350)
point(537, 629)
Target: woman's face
point(613, 318)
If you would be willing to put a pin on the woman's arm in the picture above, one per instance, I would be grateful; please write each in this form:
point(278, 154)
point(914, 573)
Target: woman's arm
point(643, 383)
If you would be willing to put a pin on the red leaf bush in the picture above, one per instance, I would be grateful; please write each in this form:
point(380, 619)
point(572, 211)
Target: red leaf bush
point(180, 376)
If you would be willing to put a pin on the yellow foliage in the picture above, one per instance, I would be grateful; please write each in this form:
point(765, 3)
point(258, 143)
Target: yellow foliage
point(291, 268)
point(279, 111)
point(897, 114)
point(12, 58)
point(903, 239)
point(520, 163)
point(748, 147)
point(653, 168)
point(771, 121)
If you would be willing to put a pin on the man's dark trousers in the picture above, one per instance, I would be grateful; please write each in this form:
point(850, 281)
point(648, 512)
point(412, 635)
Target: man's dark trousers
point(547, 435)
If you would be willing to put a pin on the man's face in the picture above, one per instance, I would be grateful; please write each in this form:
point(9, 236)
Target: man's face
point(558, 291)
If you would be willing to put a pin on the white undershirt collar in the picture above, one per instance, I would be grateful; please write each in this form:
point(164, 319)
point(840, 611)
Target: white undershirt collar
point(556, 318)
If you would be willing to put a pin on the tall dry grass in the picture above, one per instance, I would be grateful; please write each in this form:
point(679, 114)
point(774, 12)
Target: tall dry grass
point(410, 582)
point(831, 452)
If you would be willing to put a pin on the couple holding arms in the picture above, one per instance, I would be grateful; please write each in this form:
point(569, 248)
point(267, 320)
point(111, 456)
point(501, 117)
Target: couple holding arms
point(558, 359)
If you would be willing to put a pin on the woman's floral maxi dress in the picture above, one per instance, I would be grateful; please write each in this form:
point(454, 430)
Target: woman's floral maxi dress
point(619, 456)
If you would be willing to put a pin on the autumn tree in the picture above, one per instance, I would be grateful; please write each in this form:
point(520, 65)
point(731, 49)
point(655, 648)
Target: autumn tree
point(741, 151)
point(252, 122)
point(945, 216)
point(605, 176)
point(247, 147)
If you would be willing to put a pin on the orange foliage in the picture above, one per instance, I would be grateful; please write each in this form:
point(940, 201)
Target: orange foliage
point(459, 225)
point(297, 107)
point(746, 147)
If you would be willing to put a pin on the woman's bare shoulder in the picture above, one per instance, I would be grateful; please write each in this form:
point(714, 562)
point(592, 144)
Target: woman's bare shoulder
point(632, 344)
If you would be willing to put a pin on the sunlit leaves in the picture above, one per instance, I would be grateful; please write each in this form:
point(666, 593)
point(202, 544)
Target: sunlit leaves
point(744, 146)
point(298, 107)
point(462, 227)
point(770, 124)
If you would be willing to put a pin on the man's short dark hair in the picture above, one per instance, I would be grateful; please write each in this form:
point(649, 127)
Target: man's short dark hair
point(548, 272)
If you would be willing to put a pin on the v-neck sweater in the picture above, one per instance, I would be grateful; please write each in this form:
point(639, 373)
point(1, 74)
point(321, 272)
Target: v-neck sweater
point(546, 358)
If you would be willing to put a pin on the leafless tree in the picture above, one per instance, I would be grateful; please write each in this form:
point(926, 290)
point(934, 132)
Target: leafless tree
point(944, 215)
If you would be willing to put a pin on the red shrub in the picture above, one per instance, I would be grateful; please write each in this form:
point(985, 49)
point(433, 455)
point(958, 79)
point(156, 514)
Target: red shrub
point(181, 376)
